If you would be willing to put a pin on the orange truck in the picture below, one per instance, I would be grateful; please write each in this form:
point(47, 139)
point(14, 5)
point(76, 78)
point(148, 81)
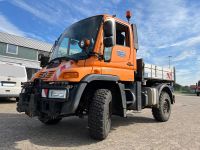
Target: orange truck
point(93, 71)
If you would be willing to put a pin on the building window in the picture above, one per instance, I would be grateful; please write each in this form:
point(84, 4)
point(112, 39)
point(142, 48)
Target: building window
point(12, 49)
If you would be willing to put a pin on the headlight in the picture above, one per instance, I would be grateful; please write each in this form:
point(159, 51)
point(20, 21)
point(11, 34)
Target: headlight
point(57, 94)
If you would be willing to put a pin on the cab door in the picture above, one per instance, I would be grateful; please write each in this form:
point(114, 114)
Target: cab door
point(118, 59)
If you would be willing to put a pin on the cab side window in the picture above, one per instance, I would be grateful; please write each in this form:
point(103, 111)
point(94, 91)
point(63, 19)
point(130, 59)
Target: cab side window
point(122, 35)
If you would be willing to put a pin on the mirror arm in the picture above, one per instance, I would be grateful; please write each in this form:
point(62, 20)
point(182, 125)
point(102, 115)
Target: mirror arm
point(98, 55)
point(86, 52)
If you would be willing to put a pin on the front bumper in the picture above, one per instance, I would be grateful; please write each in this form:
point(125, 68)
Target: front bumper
point(33, 104)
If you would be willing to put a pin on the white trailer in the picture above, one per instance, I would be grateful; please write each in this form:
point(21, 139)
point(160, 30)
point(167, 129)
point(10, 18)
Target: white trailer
point(11, 76)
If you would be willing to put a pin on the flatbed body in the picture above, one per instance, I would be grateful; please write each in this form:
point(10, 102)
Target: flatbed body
point(154, 72)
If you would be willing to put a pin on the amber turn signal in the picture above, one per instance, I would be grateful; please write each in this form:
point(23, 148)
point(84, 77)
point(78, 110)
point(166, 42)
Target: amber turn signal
point(128, 14)
point(70, 75)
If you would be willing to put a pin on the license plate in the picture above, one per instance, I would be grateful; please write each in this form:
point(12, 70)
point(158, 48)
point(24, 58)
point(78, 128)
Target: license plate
point(8, 84)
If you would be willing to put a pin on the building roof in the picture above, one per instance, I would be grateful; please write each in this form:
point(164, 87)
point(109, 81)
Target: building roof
point(25, 62)
point(24, 42)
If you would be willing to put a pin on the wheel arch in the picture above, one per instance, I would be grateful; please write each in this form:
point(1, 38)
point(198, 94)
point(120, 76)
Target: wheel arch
point(95, 82)
point(166, 88)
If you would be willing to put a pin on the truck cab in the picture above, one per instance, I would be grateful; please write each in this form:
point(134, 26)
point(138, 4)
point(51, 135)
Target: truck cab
point(93, 70)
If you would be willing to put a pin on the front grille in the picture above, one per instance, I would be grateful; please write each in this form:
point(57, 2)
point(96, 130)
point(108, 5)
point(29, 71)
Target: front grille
point(46, 75)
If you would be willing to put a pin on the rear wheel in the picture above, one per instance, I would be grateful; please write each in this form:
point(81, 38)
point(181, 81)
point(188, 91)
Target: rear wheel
point(49, 121)
point(197, 94)
point(162, 113)
point(99, 117)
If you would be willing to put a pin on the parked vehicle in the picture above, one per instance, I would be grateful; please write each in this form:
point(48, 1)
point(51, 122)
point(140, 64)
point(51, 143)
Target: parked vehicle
point(198, 88)
point(93, 71)
point(11, 77)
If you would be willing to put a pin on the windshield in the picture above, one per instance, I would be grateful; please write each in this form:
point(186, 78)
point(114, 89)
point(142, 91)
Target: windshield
point(68, 43)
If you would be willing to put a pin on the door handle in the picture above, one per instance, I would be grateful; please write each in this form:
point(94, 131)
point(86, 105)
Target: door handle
point(130, 64)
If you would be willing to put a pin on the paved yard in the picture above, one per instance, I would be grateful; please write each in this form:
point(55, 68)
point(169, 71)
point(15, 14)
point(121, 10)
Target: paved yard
point(138, 131)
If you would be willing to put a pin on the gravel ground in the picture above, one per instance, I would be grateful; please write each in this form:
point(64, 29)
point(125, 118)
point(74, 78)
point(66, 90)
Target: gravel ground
point(137, 131)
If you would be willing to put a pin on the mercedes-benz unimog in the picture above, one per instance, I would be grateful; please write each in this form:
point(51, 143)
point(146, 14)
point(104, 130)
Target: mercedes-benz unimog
point(93, 70)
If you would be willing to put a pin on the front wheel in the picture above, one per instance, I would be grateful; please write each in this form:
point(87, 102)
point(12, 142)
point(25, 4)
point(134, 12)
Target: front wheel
point(49, 121)
point(197, 94)
point(99, 117)
point(162, 113)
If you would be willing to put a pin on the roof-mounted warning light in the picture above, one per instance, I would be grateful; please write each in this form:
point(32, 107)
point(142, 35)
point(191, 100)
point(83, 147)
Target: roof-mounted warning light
point(128, 15)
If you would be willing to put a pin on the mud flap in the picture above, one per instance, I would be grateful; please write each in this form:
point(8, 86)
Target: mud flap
point(138, 104)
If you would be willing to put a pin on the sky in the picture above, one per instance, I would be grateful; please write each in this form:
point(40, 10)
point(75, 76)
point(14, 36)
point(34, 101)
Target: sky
point(165, 27)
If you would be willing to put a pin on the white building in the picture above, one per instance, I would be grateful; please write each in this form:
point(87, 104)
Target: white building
point(21, 50)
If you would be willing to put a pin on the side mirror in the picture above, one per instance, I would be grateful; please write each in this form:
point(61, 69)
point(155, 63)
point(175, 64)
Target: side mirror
point(135, 36)
point(43, 60)
point(84, 44)
point(108, 28)
point(108, 41)
point(108, 33)
point(40, 56)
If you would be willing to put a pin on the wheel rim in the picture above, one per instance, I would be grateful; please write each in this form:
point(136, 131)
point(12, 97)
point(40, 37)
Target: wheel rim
point(166, 107)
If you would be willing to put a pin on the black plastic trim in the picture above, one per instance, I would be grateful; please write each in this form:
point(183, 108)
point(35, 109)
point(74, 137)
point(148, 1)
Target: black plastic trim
point(160, 87)
point(74, 99)
point(96, 77)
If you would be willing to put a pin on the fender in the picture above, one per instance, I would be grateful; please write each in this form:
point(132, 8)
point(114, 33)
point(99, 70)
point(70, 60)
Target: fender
point(96, 77)
point(166, 88)
point(76, 97)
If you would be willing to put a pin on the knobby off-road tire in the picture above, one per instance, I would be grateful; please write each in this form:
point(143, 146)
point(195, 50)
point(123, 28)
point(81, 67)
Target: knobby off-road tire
point(100, 111)
point(162, 113)
point(49, 121)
